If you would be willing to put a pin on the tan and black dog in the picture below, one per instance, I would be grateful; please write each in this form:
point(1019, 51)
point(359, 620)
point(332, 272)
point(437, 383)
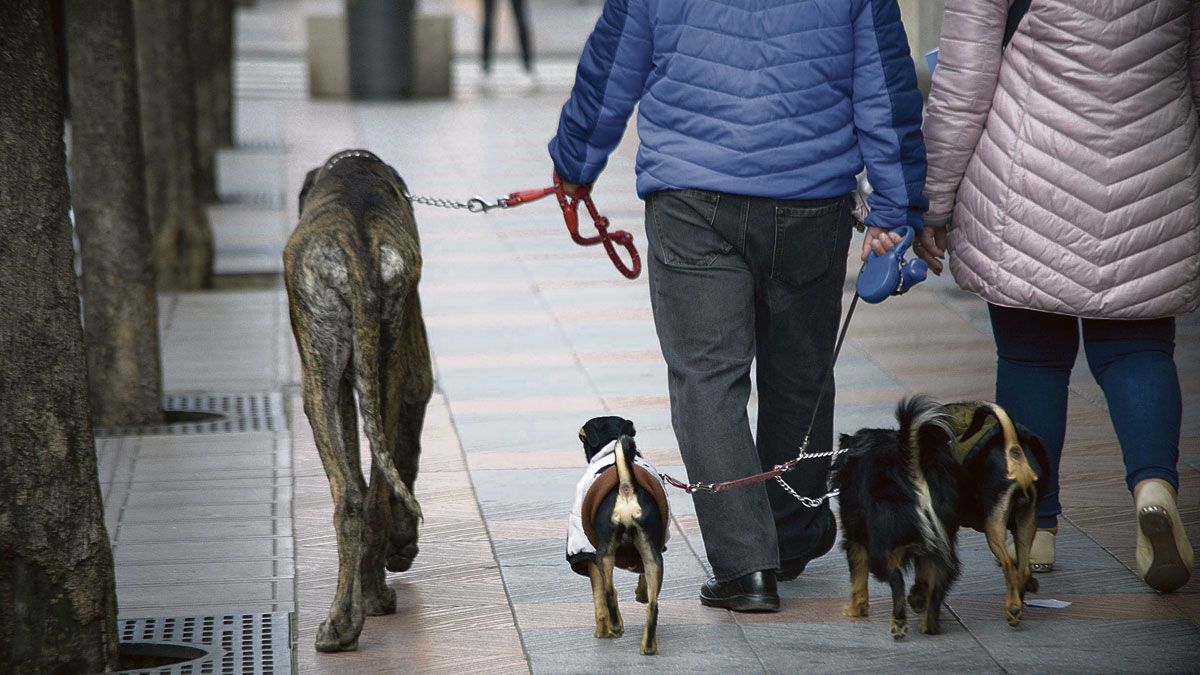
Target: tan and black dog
point(998, 489)
point(352, 268)
point(905, 493)
point(619, 519)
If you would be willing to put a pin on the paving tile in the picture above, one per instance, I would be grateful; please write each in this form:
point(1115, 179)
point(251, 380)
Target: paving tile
point(1126, 646)
point(718, 648)
point(845, 647)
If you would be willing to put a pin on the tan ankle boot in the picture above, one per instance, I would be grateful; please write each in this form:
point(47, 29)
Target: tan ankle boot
point(1164, 555)
point(1041, 554)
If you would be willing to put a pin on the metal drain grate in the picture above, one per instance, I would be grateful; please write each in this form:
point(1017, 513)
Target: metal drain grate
point(237, 644)
point(239, 413)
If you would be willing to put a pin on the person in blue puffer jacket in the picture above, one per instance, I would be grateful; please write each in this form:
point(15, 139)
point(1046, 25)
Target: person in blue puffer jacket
point(755, 118)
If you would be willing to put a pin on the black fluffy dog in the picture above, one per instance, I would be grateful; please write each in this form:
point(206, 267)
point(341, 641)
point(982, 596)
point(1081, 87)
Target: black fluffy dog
point(898, 502)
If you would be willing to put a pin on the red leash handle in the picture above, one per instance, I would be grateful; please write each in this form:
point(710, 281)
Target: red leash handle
point(570, 209)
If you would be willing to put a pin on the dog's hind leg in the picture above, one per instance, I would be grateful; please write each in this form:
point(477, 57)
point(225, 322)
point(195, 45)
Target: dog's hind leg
point(600, 601)
point(1024, 528)
point(918, 595)
point(406, 393)
point(607, 565)
point(323, 368)
point(931, 624)
point(651, 582)
point(994, 530)
point(640, 594)
point(899, 622)
point(856, 557)
point(378, 599)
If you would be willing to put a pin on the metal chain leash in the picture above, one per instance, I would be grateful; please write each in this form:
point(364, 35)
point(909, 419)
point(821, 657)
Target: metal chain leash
point(474, 204)
point(810, 502)
point(780, 469)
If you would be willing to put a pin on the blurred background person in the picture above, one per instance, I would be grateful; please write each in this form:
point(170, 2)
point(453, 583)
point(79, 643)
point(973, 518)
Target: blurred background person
point(522, 17)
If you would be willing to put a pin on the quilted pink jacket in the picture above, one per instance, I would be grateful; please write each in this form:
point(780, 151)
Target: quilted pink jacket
point(1070, 161)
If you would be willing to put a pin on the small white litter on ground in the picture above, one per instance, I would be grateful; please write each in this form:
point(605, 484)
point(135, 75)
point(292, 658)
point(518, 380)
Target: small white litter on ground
point(1049, 603)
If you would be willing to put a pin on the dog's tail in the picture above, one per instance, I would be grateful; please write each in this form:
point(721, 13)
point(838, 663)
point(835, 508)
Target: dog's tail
point(927, 428)
point(925, 425)
point(627, 510)
point(365, 292)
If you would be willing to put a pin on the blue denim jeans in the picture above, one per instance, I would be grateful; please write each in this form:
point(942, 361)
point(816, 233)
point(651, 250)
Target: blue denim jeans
point(1134, 363)
point(734, 280)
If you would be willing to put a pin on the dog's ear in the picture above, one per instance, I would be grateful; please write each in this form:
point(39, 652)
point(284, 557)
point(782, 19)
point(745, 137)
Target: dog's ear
point(979, 419)
point(308, 183)
point(627, 428)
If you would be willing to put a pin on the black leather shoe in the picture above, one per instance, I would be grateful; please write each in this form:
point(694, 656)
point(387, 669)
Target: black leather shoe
point(754, 592)
point(794, 567)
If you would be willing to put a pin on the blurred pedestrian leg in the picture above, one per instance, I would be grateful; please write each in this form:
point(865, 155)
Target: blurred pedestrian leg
point(489, 12)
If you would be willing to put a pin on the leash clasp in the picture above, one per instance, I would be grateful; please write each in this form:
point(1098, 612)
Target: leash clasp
point(478, 204)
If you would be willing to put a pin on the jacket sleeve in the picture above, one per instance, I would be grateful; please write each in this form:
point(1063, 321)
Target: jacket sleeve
point(960, 99)
point(612, 73)
point(887, 115)
point(1194, 53)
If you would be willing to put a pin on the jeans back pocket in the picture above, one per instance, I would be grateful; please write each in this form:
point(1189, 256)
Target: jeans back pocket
point(806, 240)
point(683, 232)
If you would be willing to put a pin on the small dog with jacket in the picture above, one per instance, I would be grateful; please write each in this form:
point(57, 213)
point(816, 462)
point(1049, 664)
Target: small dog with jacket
point(905, 493)
point(620, 518)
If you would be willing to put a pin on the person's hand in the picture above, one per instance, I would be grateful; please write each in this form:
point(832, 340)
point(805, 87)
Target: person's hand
point(569, 188)
point(931, 246)
point(879, 240)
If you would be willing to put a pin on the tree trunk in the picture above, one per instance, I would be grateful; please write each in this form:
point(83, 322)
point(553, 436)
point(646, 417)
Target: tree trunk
point(108, 191)
point(58, 606)
point(212, 61)
point(183, 241)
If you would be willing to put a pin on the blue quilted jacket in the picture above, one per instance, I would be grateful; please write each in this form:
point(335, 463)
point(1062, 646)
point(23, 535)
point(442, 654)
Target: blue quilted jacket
point(773, 98)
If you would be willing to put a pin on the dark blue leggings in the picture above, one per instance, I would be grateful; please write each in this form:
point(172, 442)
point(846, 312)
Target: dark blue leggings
point(1134, 363)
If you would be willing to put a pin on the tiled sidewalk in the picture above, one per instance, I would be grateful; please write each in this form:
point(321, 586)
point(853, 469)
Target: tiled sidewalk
point(531, 336)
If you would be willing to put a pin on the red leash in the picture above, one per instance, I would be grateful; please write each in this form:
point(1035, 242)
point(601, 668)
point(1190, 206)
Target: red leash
point(570, 209)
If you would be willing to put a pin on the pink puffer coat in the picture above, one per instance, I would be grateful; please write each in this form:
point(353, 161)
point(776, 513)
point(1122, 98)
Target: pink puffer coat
point(1070, 163)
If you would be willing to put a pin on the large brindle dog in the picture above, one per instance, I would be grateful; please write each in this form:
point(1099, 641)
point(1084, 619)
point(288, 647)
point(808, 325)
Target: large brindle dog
point(351, 269)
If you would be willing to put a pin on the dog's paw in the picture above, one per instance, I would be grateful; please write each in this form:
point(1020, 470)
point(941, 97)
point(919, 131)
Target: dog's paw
point(641, 595)
point(929, 627)
point(650, 649)
point(378, 604)
point(918, 598)
point(1013, 613)
point(855, 610)
point(606, 628)
point(1031, 584)
point(330, 639)
point(403, 560)
point(899, 628)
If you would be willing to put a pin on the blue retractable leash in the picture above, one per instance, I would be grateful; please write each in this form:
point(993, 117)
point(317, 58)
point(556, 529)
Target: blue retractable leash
point(883, 276)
